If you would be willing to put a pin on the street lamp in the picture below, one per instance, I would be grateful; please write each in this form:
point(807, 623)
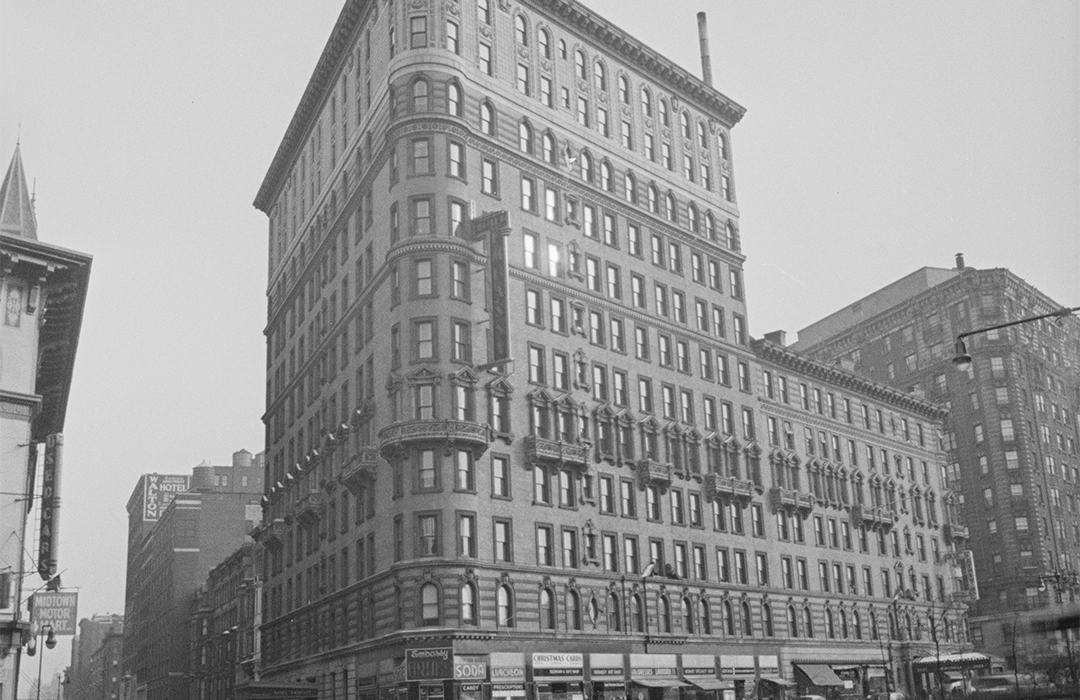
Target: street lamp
point(31, 649)
point(645, 574)
point(962, 360)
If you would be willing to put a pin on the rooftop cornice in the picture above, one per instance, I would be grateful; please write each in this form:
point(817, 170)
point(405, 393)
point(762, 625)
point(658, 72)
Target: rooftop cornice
point(796, 362)
point(624, 45)
point(314, 95)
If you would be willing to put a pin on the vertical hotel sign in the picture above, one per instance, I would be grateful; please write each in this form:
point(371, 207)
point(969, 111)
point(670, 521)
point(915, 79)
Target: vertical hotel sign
point(49, 536)
point(494, 227)
point(159, 491)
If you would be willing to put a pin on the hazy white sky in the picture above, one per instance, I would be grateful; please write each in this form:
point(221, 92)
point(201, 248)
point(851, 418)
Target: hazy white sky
point(879, 138)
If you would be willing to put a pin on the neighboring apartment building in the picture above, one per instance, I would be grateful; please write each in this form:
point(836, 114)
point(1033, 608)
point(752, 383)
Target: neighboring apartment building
point(225, 622)
point(1012, 438)
point(466, 183)
point(43, 288)
point(92, 632)
point(175, 538)
point(106, 675)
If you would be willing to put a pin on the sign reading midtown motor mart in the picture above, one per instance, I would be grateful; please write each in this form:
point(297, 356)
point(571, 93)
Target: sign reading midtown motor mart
point(58, 609)
point(429, 664)
point(547, 666)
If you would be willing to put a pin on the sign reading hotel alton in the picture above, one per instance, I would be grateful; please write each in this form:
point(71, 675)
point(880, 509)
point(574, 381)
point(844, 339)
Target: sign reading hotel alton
point(59, 609)
point(158, 492)
point(429, 664)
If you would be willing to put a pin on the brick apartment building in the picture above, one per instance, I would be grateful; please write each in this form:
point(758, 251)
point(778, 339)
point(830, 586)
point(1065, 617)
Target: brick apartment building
point(469, 182)
point(1012, 434)
point(180, 528)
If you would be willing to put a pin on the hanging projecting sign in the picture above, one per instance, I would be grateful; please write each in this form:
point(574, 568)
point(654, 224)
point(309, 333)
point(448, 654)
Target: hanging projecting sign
point(59, 609)
point(48, 539)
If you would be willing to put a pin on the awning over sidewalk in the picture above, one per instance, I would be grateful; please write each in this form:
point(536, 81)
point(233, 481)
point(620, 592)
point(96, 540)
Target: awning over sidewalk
point(658, 682)
point(777, 680)
point(820, 674)
point(709, 683)
point(952, 662)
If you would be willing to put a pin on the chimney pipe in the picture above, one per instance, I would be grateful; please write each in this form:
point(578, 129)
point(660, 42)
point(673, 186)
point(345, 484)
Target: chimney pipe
point(703, 40)
point(959, 261)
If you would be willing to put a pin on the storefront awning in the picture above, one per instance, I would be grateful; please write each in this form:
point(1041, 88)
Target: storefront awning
point(777, 680)
point(709, 683)
point(820, 674)
point(951, 662)
point(658, 682)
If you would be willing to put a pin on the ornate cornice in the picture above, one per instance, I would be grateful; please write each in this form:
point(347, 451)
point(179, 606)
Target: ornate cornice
point(789, 359)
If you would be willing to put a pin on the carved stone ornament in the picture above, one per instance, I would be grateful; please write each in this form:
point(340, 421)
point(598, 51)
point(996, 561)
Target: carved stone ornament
point(725, 166)
point(523, 52)
point(545, 65)
point(602, 97)
point(674, 104)
point(349, 62)
point(485, 31)
point(468, 577)
point(545, 582)
point(417, 4)
point(504, 5)
point(426, 576)
point(583, 85)
point(625, 110)
point(648, 121)
point(666, 132)
point(452, 8)
point(505, 579)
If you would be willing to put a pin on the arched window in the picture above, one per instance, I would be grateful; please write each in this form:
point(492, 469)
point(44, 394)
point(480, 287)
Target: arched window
point(684, 124)
point(547, 609)
point(550, 152)
point(665, 614)
point(544, 39)
point(792, 622)
point(562, 48)
point(766, 620)
point(843, 624)
point(630, 188)
point(468, 604)
point(614, 613)
point(654, 199)
point(605, 177)
point(420, 93)
point(808, 622)
point(637, 613)
point(710, 227)
point(599, 76)
point(706, 619)
point(729, 618)
point(504, 607)
point(665, 118)
point(730, 237)
point(856, 624)
point(830, 624)
point(525, 137)
point(624, 90)
point(429, 604)
point(521, 30)
point(579, 64)
point(671, 210)
point(688, 615)
point(721, 141)
point(453, 98)
point(646, 102)
point(747, 620)
point(487, 118)
point(702, 135)
point(692, 220)
point(573, 610)
point(586, 167)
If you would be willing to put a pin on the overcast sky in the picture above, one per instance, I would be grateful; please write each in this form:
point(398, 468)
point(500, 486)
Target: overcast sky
point(879, 138)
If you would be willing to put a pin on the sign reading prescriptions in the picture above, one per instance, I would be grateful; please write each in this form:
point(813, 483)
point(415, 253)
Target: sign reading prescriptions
point(158, 492)
point(58, 609)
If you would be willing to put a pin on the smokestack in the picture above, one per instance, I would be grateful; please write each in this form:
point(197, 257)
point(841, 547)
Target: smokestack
point(959, 261)
point(703, 40)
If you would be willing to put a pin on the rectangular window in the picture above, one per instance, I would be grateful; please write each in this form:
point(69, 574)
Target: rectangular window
point(502, 540)
point(489, 177)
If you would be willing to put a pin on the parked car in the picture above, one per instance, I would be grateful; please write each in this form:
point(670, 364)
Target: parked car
point(894, 695)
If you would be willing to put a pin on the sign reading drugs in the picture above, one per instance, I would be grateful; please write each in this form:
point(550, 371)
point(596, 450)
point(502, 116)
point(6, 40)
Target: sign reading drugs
point(158, 492)
point(58, 609)
point(50, 506)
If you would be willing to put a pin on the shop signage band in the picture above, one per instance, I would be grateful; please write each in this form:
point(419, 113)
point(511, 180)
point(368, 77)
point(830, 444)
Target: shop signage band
point(429, 664)
point(558, 665)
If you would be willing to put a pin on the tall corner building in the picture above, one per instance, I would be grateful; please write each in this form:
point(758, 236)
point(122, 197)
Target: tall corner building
point(517, 432)
point(43, 288)
point(179, 528)
point(1012, 433)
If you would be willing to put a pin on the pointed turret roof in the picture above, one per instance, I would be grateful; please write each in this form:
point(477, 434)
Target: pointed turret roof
point(16, 207)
